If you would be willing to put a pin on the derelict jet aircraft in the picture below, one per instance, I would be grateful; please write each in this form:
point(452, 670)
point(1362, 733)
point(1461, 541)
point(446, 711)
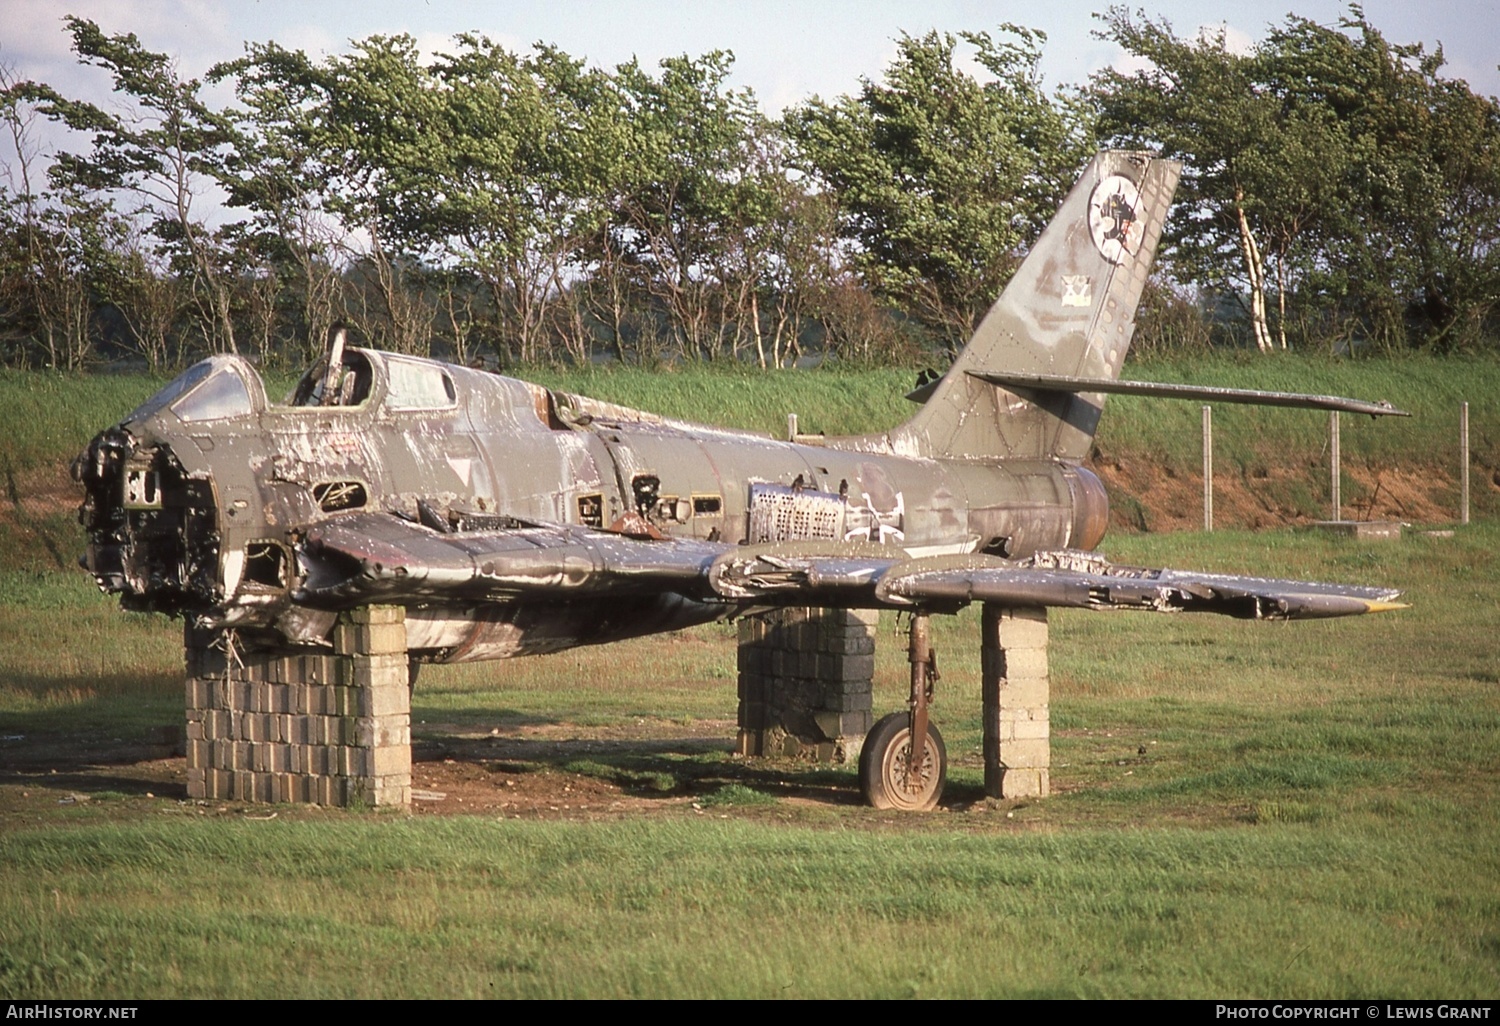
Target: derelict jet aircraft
point(509, 519)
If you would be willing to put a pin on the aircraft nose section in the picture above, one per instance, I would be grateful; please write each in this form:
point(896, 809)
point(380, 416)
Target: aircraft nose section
point(150, 526)
point(100, 470)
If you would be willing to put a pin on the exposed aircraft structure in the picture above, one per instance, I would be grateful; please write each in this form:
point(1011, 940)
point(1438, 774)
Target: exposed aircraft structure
point(509, 519)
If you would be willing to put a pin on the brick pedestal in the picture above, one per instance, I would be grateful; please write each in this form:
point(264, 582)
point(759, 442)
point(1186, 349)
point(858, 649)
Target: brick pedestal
point(302, 724)
point(1015, 694)
point(804, 682)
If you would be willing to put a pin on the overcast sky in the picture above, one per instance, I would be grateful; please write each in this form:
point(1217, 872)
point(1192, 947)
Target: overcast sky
point(786, 50)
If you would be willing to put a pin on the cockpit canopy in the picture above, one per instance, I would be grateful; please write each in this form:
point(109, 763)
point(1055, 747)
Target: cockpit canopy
point(218, 388)
point(224, 387)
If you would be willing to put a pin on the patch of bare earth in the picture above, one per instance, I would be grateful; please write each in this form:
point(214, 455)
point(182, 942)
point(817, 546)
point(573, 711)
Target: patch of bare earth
point(1158, 499)
point(555, 772)
point(548, 771)
point(560, 769)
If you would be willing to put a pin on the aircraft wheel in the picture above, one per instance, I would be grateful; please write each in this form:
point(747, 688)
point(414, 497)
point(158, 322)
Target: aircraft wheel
point(883, 773)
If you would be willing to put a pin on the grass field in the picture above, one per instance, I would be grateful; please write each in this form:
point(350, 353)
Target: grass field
point(1241, 809)
point(1314, 816)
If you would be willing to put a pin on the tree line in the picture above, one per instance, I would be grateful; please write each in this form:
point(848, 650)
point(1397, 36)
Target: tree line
point(491, 206)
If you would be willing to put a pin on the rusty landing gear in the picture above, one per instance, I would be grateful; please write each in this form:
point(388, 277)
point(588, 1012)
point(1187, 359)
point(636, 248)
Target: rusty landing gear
point(893, 772)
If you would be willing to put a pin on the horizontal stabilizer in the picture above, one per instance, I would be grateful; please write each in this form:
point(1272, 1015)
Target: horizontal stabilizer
point(1205, 393)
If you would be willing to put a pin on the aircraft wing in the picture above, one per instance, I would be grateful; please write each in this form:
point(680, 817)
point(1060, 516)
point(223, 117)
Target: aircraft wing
point(1068, 578)
point(380, 557)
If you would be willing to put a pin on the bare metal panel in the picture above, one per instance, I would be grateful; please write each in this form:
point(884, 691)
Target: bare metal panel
point(779, 513)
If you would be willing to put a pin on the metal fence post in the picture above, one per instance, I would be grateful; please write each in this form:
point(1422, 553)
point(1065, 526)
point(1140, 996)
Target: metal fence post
point(1208, 468)
point(1333, 430)
point(1463, 448)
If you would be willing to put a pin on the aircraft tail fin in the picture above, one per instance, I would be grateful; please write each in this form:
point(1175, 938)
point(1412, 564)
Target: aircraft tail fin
point(1068, 312)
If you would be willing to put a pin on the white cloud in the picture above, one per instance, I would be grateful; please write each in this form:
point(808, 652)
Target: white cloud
point(1130, 63)
point(314, 40)
point(192, 32)
point(1236, 41)
point(33, 34)
point(35, 42)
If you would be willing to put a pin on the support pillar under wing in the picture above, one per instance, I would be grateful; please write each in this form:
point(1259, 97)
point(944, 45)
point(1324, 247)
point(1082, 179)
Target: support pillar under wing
point(1015, 692)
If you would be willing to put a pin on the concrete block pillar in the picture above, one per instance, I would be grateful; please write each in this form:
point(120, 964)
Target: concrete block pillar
point(1015, 698)
point(804, 682)
point(302, 724)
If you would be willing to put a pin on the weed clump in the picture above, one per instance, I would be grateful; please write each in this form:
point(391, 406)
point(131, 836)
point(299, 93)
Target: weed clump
point(737, 795)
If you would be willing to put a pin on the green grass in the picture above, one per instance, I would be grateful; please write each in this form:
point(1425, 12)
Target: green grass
point(69, 659)
point(1313, 816)
point(370, 907)
point(832, 401)
point(49, 417)
point(1249, 436)
point(737, 796)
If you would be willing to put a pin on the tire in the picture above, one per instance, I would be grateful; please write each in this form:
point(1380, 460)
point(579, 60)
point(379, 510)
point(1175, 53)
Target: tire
point(882, 766)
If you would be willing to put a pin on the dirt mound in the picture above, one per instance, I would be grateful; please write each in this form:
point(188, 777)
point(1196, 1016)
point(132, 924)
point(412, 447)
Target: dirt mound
point(1147, 496)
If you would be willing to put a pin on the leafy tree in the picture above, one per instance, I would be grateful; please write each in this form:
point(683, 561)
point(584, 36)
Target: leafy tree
point(60, 250)
point(530, 143)
point(1423, 193)
point(788, 251)
point(942, 180)
point(1199, 100)
point(21, 278)
point(374, 126)
point(1340, 172)
point(277, 173)
point(164, 152)
point(682, 199)
point(54, 257)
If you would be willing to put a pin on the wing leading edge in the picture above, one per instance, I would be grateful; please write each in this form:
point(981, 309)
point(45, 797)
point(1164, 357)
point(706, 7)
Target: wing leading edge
point(380, 557)
point(1073, 579)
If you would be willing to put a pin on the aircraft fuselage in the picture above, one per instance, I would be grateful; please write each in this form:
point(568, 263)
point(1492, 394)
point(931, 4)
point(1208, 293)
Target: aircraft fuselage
point(198, 501)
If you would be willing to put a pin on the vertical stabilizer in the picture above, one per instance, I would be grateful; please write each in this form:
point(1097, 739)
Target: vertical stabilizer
point(1069, 310)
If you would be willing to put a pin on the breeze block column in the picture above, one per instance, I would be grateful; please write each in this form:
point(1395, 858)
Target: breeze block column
point(1015, 697)
point(302, 724)
point(804, 682)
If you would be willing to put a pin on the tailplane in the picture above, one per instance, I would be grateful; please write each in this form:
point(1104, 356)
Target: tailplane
point(1069, 312)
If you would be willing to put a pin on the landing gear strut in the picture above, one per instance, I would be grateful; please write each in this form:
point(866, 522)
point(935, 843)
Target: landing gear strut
point(894, 773)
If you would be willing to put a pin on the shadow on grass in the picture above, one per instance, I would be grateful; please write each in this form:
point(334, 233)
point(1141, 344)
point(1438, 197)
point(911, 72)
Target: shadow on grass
point(676, 767)
point(698, 766)
point(87, 786)
point(67, 722)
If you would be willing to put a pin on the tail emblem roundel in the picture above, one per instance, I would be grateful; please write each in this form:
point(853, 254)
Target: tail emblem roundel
point(1112, 218)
